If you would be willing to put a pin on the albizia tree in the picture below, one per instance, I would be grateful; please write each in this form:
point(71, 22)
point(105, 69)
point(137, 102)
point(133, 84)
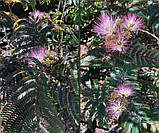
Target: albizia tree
point(38, 69)
point(119, 35)
point(120, 99)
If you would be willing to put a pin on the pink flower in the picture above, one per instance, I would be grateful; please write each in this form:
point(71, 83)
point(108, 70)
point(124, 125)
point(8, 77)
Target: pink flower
point(105, 25)
point(115, 109)
point(132, 22)
point(116, 42)
point(120, 43)
point(125, 91)
point(38, 53)
point(109, 42)
point(37, 14)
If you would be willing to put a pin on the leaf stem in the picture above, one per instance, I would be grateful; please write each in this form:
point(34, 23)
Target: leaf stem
point(138, 117)
point(149, 34)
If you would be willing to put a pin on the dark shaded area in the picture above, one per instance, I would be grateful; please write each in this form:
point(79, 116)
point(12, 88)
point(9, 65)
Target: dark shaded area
point(16, 8)
point(92, 128)
point(19, 11)
point(4, 6)
point(46, 8)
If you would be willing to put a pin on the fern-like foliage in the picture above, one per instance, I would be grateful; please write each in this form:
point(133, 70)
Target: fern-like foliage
point(34, 100)
point(7, 20)
point(31, 32)
point(145, 55)
point(153, 18)
point(39, 95)
point(64, 91)
point(28, 107)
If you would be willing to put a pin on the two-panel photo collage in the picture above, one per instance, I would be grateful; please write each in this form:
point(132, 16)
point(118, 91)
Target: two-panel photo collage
point(79, 66)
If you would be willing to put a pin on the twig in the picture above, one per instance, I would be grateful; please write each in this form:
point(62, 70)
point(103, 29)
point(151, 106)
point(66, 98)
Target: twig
point(138, 117)
point(124, 76)
point(150, 34)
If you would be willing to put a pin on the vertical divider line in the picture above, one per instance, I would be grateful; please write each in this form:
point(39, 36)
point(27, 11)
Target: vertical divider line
point(79, 69)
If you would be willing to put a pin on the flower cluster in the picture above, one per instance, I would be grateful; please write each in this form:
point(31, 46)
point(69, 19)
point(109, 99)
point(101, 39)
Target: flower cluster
point(124, 91)
point(115, 109)
point(117, 30)
point(36, 14)
point(38, 53)
point(118, 105)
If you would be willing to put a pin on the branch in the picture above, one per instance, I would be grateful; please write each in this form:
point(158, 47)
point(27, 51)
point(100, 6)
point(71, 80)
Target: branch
point(150, 34)
point(138, 117)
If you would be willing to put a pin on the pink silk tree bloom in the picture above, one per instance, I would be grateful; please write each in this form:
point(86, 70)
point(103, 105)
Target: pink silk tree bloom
point(109, 42)
point(120, 43)
point(36, 14)
point(115, 109)
point(132, 22)
point(124, 91)
point(38, 53)
point(116, 42)
point(105, 25)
